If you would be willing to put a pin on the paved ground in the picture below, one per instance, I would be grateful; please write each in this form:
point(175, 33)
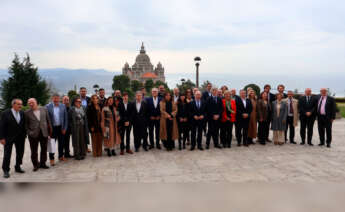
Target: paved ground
point(288, 163)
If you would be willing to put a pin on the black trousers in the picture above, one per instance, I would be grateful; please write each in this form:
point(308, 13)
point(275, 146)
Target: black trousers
point(19, 143)
point(140, 133)
point(196, 136)
point(125, 131)
point(154, 126)
point(34, 142)
point(182, 131)
point(307, 124)
point(237, 130)
point(169, 143)
point(263, 131)
point(66, 142)
point(291, 127)
point(226, 133)
point(242, 132)
point(213, 132)
point(324, 125)
point(57, 135)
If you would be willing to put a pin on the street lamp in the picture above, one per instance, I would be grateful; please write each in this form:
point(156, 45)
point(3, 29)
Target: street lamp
point(197, 61)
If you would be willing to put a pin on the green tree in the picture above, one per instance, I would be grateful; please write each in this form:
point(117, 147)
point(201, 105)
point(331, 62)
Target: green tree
point(136, 85)
point(158, 83)
point(149, 85)
point(72, 94)
point(24, 82)
point(185, 85)
point(255, 87)
point(121, 82)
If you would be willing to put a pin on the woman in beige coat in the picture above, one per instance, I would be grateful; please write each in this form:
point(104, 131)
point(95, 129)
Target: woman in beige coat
point(168, 126)
point(110, 119)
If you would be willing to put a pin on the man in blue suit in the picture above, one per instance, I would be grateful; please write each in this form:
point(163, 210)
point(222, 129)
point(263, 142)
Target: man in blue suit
point(154, 115)
point(59, 118)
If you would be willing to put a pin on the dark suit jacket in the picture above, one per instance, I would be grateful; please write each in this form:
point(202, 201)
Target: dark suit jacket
point(139, 119)
point(305, 106)
point(151, 110)
point(214, 108)
point(125, 115)
point(272, 97)
point(10, 130)
point(241, 110)
point(182, 111)
point(205, 95)
point(330, 107)
point(195, 111)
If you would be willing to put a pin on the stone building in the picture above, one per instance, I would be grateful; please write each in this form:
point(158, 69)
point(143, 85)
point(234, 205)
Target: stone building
point(143, 69)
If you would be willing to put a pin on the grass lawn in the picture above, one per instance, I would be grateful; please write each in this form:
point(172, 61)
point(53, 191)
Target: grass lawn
point(342, 109)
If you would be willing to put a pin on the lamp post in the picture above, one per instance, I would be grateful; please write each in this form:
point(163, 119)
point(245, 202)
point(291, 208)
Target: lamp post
point(197, 61)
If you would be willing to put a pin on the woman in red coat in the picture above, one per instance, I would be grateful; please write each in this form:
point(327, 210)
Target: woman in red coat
point(227, 120)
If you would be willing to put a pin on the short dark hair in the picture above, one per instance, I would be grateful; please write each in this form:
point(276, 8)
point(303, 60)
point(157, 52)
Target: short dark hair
point(125, 93)
point(267, 85)
point(81, 88)
point(101, 89)
point(281, 85)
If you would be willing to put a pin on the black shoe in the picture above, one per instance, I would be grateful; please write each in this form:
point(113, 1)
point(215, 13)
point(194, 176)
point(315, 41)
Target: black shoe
point(239, 145)
point(19, 170)
point(82, 157)
point(68, 156)
point(108, 152)
point(201, 149)
point(321, 144)
point(35, 168)
point(145, 148)
point(328, 145)
point(136, 150)
point(77, 158)
point(158, 146)
point(6, 174)
point(302, 143)
point(192, 149)
point(113, 153)
point(44, 166)
point(218, 146)
point(292, 142)
point(151, 147)
point(310, 144)
point(207, 146)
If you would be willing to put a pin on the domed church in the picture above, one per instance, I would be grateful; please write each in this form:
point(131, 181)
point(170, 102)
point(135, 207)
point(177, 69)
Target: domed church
point(143, 69)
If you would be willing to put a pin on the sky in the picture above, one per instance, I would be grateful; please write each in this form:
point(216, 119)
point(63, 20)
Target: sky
point(294, 37)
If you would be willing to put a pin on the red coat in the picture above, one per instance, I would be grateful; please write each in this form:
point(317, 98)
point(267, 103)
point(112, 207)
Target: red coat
point(233, 115)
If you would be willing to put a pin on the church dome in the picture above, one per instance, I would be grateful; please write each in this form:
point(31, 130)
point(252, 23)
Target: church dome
point(142, 57)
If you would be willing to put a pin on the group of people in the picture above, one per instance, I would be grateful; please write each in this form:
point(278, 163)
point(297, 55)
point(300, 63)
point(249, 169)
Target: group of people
point(159, 120)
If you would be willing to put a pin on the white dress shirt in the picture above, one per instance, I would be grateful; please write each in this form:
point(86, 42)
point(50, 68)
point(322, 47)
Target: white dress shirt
point(155, 101)
point(37, 113)
point(244, 103)
point(138, 104)
point(16, 115)
point(57, 116)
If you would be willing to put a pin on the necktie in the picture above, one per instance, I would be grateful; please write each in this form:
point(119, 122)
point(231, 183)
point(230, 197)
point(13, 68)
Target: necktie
point(18, 117)
point(291, 107)
point(198, 104)
point(319, 109)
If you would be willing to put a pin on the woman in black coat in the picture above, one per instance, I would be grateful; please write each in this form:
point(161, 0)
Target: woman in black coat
point(182, 120)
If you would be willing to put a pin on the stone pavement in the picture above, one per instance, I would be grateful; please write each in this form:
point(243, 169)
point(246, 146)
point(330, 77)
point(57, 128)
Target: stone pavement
point(288, 163)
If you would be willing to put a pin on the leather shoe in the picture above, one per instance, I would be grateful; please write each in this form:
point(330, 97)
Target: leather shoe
point(44, 166)
point(35, 168)
point(302, 143)
point(145, 148)
point(292, 142)
point(201, 149)
point(52, 162)
point(192, 149)
point(158, 147)
point(19, 170)
point(6, 174)
point(328, 145)
point(129, 151)
point(311, 144)
point(321, 144)
point(207, 146)
point(122, 152)
point(218, 147)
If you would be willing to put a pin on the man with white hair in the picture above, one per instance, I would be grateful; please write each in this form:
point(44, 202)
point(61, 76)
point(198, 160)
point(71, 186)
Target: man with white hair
point(12, 132)
point(307, 105)
point(326, 109)
point(39, 128)
point(197, 117)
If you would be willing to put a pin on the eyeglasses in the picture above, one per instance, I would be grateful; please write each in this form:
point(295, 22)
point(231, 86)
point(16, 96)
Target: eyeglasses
point(78, 101)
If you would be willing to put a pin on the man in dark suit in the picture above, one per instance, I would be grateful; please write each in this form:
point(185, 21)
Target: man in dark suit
point(244, 108)
point(139, 121)
point(67, 137)
point(307, 115)
point(126, 110)
point(154, 114)
point(206, 94)
point(270, 96)
point(85, 100)
point(326, 109)
point(12, 131)
point(281, 89)
point(197, 116)
point(38, 128)
point(101, 98)
point(214, 108)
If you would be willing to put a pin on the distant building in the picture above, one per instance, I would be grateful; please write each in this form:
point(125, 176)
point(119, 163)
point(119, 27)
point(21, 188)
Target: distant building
point(143, 69)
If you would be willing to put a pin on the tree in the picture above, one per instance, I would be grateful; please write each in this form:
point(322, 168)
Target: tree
point(24, 82)
point(149, 85)
point(185, 85)
point(136, 85)
point(72, 94)
point(121, 82)
point(255, 87)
